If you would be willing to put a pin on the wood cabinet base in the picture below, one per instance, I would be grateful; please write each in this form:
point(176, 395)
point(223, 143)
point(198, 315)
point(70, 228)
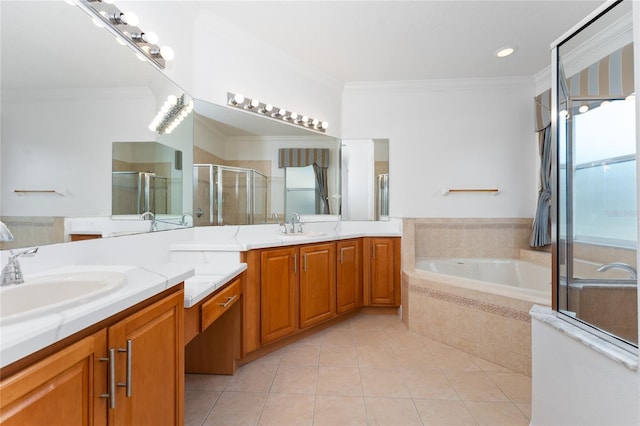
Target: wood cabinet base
point(216, 349)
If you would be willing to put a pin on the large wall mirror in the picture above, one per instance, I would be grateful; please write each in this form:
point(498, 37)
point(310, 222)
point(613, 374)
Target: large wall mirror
point(66, 102)
point(69, 91)
point(239, 175)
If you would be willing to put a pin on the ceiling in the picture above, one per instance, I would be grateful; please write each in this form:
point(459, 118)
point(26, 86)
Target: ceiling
point(409, 40)
point(348, 40)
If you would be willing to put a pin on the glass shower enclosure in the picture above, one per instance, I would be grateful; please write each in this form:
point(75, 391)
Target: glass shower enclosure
point(139, 192)
point(225, 195)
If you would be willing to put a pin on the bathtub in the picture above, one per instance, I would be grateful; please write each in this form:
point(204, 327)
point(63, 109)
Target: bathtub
point(478, 305)
point(528, 277)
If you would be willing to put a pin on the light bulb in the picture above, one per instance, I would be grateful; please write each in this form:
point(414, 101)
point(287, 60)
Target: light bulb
point(237, 99)
point(563, 114)
point(605, 103)
point(253, 104)
point(315, 122)
point(152, 127)
point(267, 108)
point(129, 18)
point(167, 53)
point(281, 112)
point(583, 109)
point(292, 116)
point(505, 51)
point(304, 120)
point(150, 37)
point(631, 97)
point(324, 125)
point(172, 99)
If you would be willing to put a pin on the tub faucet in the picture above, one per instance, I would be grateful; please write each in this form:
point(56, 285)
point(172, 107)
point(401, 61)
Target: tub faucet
point(150, 216)
point(618, 265)
point(12, 273)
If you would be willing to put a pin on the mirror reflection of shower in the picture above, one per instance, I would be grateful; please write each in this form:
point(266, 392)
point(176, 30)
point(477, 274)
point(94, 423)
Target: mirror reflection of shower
point(225, 195)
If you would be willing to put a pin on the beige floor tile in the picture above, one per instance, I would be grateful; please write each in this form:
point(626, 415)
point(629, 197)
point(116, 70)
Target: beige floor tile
point(339, 381)
point(253, 377)
point(288, 409)
point(316, 339)
point(367, 322)
point(450, 359)
point(383, 383)
point(197, 404)
point(429, 384)
point(443, 413)
point(272, 358)
point(525, 408)
point(295, 379)
point(516, 386)
point(339, 337)
point(376, 356)
point(406, 340)
point(338, 356)
point(497, 413)
point(474, 386)
point(236, 408)
point(414, 359)
point(488, 366)
point(301, 355)
point(339, 410)
point(206, 382)
point(392, 412)
point(370, 337)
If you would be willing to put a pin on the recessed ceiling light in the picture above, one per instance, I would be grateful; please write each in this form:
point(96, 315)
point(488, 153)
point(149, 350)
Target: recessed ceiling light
point(505, 51)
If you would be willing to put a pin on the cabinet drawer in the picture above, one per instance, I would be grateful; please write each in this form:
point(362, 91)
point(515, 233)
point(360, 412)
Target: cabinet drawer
point(219, 304)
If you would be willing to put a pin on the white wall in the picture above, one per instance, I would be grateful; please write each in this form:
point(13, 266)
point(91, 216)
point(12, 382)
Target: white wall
point(230, 60)
point(575, 385)
point(38, 153)
point(464, 133)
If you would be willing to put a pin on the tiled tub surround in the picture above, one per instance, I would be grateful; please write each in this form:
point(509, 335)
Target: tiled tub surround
point(488, 321)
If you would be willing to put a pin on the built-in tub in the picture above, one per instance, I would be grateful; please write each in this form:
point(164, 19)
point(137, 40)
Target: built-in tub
point(478, 305)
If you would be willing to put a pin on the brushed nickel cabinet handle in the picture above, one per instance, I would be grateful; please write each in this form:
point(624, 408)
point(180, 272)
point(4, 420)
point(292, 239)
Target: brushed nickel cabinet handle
point(111, 395)
point(128, 351)
point(229, 300)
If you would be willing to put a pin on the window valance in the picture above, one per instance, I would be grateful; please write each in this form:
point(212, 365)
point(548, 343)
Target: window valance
point(303, 157)
point(610, 77)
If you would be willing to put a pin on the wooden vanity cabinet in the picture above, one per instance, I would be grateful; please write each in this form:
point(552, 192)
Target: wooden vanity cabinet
point(62, 389)
point(381, 271)
point(278, 293)
point(348, 275)
point(70, 386)
point(317, 283)
point(151, 343)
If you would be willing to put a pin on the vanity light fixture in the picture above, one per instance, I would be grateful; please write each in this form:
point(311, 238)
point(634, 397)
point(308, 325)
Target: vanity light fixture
point(171, 114)
point(124, 26)
point(253, 105)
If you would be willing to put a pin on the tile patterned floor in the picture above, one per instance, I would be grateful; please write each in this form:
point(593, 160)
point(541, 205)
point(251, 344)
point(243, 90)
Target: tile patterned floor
point(368, 370)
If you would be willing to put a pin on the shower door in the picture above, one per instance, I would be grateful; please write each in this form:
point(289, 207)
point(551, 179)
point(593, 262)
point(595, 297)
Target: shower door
point(596, 207)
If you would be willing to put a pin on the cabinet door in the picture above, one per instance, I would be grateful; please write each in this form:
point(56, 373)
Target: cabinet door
point(382, 263)
point(150, 365)
point(317, 283)
point(348, 277)
point(60, 389)
point(278, 293)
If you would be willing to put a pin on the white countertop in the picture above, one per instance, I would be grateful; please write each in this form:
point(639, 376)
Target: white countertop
point(208, 279)
point(23, 338)
point(244, 238)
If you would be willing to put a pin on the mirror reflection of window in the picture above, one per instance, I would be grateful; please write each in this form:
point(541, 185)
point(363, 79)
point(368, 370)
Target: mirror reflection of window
point(300, 191)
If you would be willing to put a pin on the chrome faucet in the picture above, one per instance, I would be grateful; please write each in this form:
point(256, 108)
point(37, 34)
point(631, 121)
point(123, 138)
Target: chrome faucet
point(183, 221)
point(150, 216)
point(293, 223)
point(618, 265)
point(12, 273)
point(274, 215)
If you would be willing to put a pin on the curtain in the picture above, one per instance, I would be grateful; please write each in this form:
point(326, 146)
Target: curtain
point(322, 194)
point(542, 222)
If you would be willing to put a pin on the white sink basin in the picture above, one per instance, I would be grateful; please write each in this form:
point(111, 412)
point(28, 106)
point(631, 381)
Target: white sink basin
point(53, 293)
point(302, 235)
